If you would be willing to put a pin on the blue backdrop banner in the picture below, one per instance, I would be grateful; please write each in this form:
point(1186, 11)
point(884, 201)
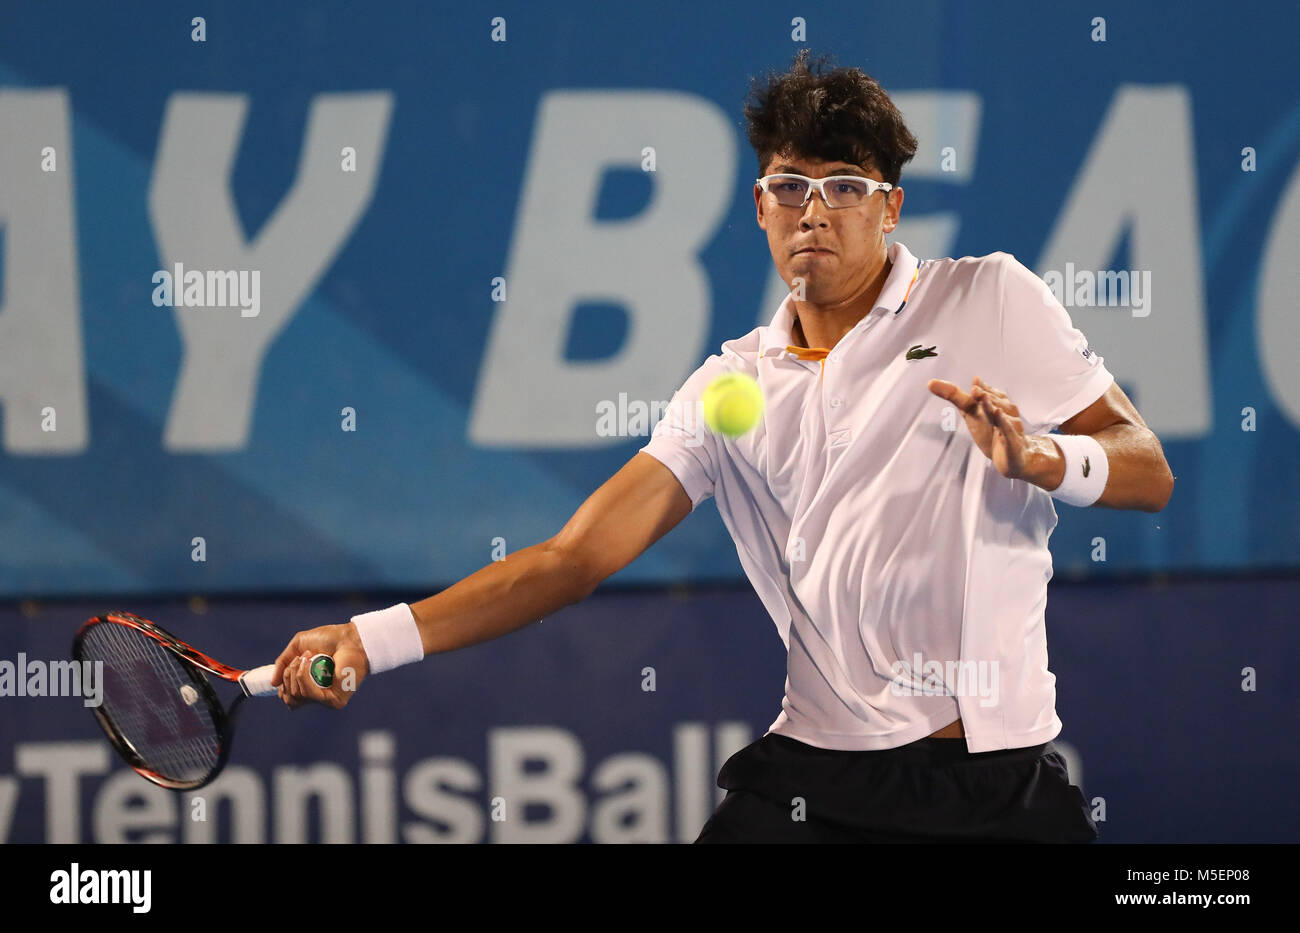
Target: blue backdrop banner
point(302, 296)
point(608, 722)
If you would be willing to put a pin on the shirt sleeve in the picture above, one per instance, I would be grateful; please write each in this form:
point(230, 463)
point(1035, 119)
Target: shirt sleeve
point(682, 442)
point(1051, 371)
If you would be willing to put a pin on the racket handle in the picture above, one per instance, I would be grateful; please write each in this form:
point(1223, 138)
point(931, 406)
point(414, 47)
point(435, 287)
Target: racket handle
point(257, 682)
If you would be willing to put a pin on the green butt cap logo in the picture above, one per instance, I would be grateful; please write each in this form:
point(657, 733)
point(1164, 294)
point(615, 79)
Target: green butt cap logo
point(322, 670)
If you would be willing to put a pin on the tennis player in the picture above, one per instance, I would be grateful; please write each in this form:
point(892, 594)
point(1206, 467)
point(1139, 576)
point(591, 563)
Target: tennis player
point(892, 509)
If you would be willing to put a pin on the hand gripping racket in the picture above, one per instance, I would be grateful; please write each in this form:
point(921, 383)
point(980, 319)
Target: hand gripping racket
point(158, 709)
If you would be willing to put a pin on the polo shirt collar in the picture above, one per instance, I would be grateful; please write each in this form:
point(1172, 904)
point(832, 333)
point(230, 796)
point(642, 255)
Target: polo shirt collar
point(893, 297)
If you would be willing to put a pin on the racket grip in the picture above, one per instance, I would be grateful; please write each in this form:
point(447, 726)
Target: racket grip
point(257, 682)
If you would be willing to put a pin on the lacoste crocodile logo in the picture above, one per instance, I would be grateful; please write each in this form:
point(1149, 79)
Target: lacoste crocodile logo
point(1087, 467)
point(916, 353)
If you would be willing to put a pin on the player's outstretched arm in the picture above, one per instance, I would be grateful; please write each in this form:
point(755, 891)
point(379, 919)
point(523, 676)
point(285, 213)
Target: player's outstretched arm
point(632, 510)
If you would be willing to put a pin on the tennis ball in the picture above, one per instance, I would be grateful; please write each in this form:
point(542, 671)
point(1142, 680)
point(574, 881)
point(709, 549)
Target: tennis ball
point(733, 403)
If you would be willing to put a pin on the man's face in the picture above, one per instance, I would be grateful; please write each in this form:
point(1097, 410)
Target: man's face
point(850, 241)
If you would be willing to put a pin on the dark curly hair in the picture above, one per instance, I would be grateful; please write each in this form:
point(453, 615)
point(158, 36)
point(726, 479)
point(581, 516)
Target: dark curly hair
point(843, 115)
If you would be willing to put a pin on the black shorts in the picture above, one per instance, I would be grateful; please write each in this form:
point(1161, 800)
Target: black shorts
point(932, 790)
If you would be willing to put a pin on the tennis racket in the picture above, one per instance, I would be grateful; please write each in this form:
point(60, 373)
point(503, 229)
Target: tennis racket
point(159, 710)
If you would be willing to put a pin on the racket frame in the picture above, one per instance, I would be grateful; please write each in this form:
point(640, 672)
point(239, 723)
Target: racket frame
point(193, 662)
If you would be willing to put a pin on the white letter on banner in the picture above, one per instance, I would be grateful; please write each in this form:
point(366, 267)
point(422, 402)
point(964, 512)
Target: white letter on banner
point(41, 359)
point(62, 765)
point(195, 223)
point(556, 787)
point(1275, 322)
point(1141, 173)
point(560, 256)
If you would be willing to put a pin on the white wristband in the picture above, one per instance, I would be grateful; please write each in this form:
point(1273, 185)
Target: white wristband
point(1086, 469)
point(390, 637)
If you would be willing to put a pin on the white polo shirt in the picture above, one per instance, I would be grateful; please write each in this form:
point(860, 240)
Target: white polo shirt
point(906, 576)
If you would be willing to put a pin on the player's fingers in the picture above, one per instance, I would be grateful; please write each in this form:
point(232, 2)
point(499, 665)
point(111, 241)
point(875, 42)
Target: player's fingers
point(306, 686)
point(291, 651)
point(299, 676)
point(1004, 418)
point(1009, 437)
point(289, 700)
point(1002, 399)
point(994, 402)
point(964, 402)
point(998, 395)
point(288, 693)
point(294, 674)
point(949, 392)
point(981, 405)
point(994, 414)
point(286, 680)
point(991, 412)
point(983, 388)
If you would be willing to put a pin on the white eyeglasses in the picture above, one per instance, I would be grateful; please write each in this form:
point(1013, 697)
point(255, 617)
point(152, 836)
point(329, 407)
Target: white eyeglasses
point(836, 190)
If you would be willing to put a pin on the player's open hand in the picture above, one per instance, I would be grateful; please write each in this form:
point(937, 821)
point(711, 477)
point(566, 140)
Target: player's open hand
point(343, 644)
point(994, 424)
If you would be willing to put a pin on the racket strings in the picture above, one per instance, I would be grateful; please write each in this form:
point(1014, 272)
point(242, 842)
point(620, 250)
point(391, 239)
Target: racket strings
point(150, 698)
